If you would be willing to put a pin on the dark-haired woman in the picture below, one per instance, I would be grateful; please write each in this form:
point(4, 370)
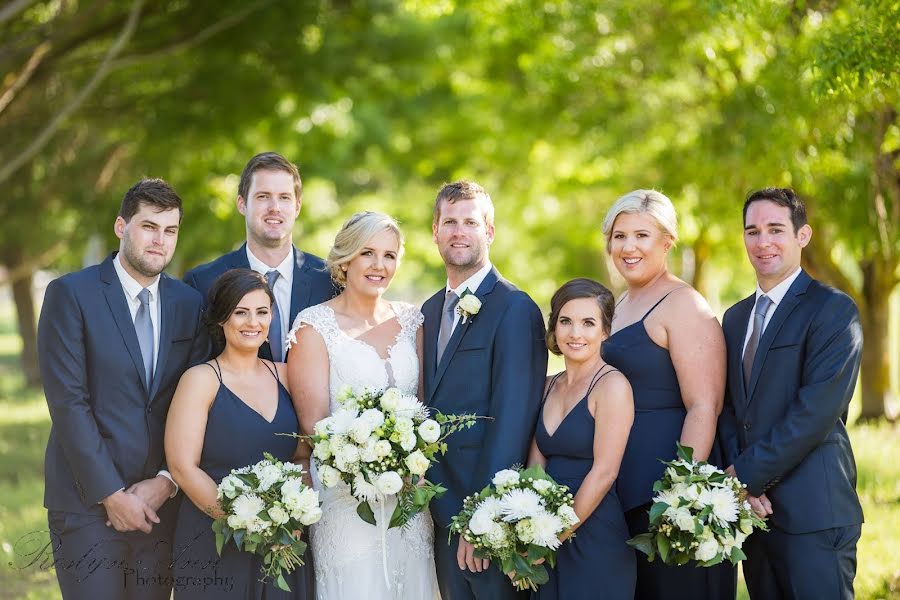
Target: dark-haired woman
point(580, 439)
point(225, 414)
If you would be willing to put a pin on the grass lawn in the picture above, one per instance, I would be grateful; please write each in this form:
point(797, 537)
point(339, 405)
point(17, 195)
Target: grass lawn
point(24, 425)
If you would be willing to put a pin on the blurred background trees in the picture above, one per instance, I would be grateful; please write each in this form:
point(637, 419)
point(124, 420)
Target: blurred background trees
point(556, 107)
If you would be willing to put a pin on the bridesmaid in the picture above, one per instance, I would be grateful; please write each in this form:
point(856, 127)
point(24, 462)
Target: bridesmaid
point(580, 438)
point(668, 343)
point(225, 414)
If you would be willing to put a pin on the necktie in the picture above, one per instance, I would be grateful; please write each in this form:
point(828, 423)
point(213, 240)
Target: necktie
point(450, 302)
point(759, 317)
point(275, 341)
point(143, 327)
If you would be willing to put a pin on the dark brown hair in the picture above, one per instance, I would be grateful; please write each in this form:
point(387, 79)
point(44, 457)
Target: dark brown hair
point(224, 295)
point(151, 192)
point(782, 197)
point(582, 287)
point(269, 161)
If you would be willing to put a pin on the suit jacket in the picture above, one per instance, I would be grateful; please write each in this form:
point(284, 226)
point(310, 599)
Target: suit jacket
point(107, 424)
point(312, 283)
point(785, 435)
point(494, 365)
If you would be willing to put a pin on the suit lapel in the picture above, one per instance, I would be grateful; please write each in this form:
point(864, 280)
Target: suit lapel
point(300, 288)
point(166, 326)
point(784, 309)
point(486, 287)
point(118, 306)
point(738, 335)
point(432, 313)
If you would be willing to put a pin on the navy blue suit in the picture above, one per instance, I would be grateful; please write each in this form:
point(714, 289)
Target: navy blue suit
point(494, 365)
point(312, 283)
point(785, 436)
point(108, 425)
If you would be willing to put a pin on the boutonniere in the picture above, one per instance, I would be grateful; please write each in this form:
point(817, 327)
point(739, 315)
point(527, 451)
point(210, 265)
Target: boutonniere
point(468, 306)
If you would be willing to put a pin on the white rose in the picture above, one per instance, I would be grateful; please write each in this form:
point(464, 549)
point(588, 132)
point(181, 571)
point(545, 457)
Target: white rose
point(322, 450)
point(341, 421)
point(481, 522)
point(541, 486)
point(268, 475)
point(278, 515)
point(360, 430)
point(496, 536)
point(323, 427)
point(344, 393)
point(235, 522)
point(404, 425)
point(348, 454)
point(430, 431)
point(681, 517)
point(408, 441)
point(707, 469)
point(469, 304)
point(257, 525)
point(382, 448)
point(568, 515)
point(389, 399)
point(329, 476)
point(505, 478)
point(311, 516)
point(230, 487)
point(374, 417)
point(389, 483)
point(707, 549)
point(525, 531)
point(417, 463)
point(308, 499)
point(367, 453)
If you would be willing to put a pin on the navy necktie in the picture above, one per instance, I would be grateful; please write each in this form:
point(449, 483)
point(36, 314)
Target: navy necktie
point(143, 327)
point(759, 318)
point(276, 342)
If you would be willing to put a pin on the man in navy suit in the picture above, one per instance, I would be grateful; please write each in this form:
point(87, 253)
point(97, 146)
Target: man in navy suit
point(491, 361)
point(113, 341)
point(269, 196)
point(793, 358)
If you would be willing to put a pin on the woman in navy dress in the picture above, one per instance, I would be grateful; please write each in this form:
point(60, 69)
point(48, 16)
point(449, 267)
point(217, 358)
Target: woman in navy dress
point(668, 343)
point(225, 414)
point(580, 438)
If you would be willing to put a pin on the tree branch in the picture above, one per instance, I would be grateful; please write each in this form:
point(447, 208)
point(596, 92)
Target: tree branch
point(103, 70)
point(36, 57)
point(817, 259)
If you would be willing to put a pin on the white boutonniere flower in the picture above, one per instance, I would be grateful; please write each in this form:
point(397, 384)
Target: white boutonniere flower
point(468, 306)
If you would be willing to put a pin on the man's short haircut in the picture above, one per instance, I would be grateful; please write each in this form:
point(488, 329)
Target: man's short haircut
point(269, 161)
point(464, 190)
point(782, 197)
point(155, 193)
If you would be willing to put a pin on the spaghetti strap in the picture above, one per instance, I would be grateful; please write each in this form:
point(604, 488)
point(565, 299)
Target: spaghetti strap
point(273, 372)
point(217, 371)
point(550, 387)
point(652, 308)
point(598, 376)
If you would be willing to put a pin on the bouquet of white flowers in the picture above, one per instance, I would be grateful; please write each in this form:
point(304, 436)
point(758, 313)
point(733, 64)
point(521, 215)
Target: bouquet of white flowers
point(266, 507)
point(516, 522)
point(380, 443)
point(699, 513)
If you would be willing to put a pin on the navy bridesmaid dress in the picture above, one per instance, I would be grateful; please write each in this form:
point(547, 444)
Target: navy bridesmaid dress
point(659, 415)
point(236, 436)
point(595, 562)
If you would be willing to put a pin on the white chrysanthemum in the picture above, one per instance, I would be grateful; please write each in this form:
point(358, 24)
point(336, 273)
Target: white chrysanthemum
point(347, 454)
point(724, 504)
point(360, 430)
point(681, 518)
point(430, 431)
point(389, 399)
point(278, 514)
point(669, 497)
point(568, 515)
point(404, 425)
point(373, 416)
point(268, 475)
point(247, 506)
point(389, 483)
point(329, 476)
point(707, 549)
point(341, 420)
point(541, 486)
point(520, 504)
point(364, 490)
point(547, 528)
point(408, 441)
point(417, 463)
point(311, 516)
point(505, 478)
point(322, 450)
point(409, 407)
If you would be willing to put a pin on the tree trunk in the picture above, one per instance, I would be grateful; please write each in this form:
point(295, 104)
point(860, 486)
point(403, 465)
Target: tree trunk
point(701, 258)
point(874, 317)
point(24, 300)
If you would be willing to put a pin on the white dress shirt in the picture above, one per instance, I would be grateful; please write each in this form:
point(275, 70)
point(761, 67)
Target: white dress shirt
point(282, 289)
point(776, 295)
point(132, 289)
point(470, 284)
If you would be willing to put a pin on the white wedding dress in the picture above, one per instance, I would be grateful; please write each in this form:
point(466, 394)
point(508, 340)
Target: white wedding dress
point(348, 551)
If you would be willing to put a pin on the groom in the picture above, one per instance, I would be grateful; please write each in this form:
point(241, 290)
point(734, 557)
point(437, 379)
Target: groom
point(793, 357)
point(490, 360)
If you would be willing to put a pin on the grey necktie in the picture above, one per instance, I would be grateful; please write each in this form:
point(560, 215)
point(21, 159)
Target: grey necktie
point(450, 302)
point(759, 317)
point(275, 341)
point(143, 327)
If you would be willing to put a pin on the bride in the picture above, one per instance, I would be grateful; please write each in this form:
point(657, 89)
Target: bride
point(361, 339)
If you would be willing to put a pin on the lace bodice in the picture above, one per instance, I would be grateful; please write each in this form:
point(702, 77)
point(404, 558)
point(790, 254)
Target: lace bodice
point(357, 363)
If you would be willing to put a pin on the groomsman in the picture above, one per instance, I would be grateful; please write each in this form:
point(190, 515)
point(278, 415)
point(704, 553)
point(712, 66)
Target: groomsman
point(793, 358)
point(269, 196)
point(113, 341)
point(489, 359)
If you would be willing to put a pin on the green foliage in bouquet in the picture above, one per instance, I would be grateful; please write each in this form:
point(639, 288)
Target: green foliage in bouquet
point(516, 521)
point(699, 513)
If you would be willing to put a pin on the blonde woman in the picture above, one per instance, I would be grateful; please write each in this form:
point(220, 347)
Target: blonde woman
point(666, 340)
point(362, 340)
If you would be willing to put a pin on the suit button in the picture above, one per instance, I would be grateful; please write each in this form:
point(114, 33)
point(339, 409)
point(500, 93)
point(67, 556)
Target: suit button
point(149, 410)
point(747, 426)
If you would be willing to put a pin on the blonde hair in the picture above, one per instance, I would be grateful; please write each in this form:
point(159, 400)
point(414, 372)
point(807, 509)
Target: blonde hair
point(649, 202)
point(352, 238)
point(464, 190)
